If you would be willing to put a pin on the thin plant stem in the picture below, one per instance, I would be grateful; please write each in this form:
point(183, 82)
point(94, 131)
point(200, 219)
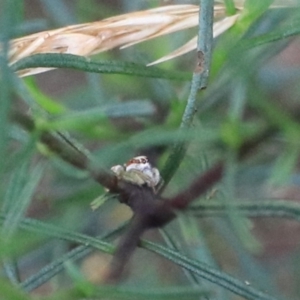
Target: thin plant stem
point(7, 19)
point(199, 81)
point(255, 209)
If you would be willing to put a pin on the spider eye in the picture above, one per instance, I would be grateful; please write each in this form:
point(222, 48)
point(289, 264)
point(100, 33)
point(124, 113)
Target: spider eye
point(144, 160)
point(132, 161)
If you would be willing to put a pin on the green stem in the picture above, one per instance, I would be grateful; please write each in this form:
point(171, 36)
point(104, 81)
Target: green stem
point(77, 62)
point(199, 81)
point(256, 209)
point(87, 246)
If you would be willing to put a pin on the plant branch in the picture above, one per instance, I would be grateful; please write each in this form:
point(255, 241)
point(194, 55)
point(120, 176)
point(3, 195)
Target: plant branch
point(70, 154)
point(150, 210)
point(199, 81)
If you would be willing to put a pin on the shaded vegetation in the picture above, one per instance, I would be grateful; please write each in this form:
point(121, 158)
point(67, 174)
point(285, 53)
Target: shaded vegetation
point(228, 153)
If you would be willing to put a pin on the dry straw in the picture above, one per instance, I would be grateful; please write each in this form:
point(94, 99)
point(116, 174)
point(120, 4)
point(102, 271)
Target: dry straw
point(119, 31)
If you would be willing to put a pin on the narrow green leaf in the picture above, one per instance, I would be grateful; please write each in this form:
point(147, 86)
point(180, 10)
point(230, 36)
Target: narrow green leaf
point(10, 267)
point(88, 291)
point(15, 186)
point(19, 175)
point(255, 209)
point(54, 60)
point(213, 275)
point(255, 8)
point(57, 265)
point(5, 83)
point(144, 294)
point(91, 117)
point(269, 209)
point(20, 204)
point(283, 32)
point(99, 201)
point(44, 101)
point(58, 232)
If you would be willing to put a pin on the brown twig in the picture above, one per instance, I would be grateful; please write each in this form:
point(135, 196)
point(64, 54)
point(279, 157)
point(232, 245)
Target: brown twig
point(150, 212)
point(128, 243)
point(198, 187)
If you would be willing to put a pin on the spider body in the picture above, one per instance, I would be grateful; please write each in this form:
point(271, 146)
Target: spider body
point(139, 171)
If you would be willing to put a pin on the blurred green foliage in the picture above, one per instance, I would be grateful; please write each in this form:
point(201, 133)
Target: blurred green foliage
point(112, 107)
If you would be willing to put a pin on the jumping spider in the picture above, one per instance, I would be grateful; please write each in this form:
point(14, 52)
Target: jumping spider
point(139, 171)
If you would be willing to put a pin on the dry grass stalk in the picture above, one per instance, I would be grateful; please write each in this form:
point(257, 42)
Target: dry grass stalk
point(119, 31)
point(218, 28)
